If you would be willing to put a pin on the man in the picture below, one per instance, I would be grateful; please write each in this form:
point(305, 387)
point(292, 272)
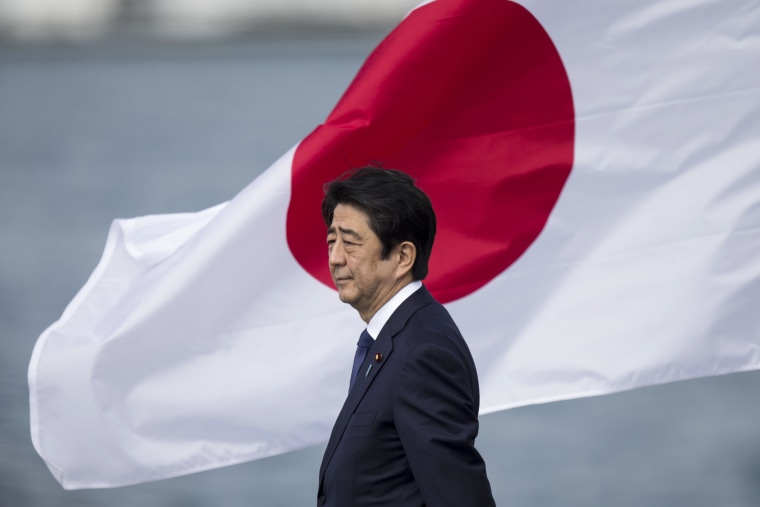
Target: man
point(405, 435)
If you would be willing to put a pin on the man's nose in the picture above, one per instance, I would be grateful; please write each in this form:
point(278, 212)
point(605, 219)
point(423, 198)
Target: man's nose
point(337, 255)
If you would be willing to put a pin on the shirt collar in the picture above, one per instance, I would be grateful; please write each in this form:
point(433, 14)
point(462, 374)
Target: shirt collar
point(378, 320)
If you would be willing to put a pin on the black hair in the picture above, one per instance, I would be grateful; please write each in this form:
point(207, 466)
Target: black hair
point(396, 208)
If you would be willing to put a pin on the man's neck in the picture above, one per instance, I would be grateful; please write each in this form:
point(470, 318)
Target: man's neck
point(384, 296)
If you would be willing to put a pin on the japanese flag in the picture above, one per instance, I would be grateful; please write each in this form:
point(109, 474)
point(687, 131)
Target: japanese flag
point(595, 169)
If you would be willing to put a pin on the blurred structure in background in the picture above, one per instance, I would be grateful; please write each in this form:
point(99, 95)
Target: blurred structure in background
point(77, 21)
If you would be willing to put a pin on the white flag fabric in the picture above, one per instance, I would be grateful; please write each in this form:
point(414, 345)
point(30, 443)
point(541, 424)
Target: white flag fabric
point(595, 167)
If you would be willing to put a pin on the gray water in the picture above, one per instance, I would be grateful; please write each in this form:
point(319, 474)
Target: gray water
point(91, 134)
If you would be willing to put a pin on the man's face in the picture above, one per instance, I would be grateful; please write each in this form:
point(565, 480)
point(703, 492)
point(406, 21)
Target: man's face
point(363, 279)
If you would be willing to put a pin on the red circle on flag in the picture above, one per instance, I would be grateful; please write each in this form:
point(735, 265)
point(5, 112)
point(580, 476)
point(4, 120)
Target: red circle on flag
point(470, 98)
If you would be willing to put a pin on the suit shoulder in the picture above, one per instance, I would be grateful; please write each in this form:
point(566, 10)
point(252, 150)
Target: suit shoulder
point(432, 323)
point(434, 317)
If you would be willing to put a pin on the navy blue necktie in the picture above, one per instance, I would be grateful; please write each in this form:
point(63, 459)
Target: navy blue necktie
point(362, 346)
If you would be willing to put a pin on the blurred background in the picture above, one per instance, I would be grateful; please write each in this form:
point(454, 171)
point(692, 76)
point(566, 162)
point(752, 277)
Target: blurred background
point(121, 108)
point(89, 20)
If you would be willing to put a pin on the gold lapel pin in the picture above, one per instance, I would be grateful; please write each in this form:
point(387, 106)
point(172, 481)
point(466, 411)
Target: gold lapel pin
point(378, 357)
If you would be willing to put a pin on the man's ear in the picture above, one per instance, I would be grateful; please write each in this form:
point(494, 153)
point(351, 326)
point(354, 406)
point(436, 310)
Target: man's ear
point(407, 254)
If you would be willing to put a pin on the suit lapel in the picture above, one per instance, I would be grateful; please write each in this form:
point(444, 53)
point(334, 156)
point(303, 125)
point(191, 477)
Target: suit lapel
point(371, 368)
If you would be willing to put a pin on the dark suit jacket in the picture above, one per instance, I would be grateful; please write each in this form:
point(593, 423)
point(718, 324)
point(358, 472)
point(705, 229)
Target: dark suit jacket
point(405, 435)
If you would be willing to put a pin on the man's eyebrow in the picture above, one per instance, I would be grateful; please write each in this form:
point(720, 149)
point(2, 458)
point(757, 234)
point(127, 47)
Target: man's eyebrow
point(349, 232)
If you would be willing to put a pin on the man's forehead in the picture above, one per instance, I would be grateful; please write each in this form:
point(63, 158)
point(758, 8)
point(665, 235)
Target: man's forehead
point(347, 217)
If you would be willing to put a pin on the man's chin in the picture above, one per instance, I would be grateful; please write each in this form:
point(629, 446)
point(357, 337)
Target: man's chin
point(345, 297)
